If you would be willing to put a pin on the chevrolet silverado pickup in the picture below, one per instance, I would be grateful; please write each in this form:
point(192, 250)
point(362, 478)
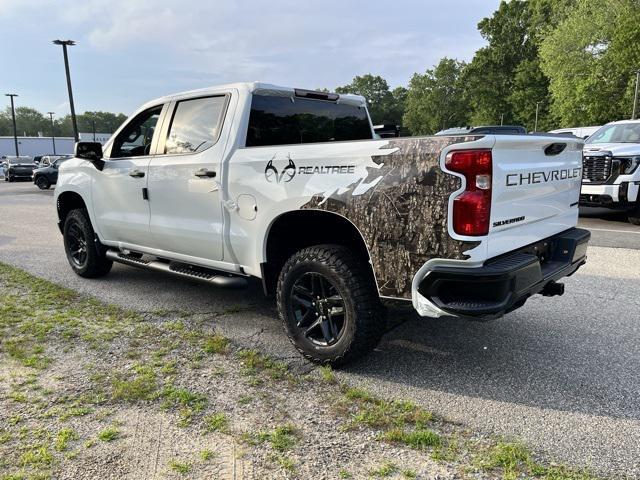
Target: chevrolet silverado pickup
point(292, 186)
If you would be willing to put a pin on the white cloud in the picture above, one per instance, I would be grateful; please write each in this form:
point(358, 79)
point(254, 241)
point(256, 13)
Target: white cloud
point(164, 46)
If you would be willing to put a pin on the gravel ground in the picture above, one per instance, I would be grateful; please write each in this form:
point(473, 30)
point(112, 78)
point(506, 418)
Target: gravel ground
point(88, 391)
point(560, 373)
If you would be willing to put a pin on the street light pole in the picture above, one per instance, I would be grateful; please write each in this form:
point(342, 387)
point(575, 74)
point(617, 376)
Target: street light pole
point(13, 116)
point(64, 44)
point(635, 98)
point(535, 127)
point(53, 132)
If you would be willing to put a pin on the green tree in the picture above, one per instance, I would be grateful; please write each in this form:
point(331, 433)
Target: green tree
point(384, 106)
point(591, 58)
point(435, 100)
point(489, 77)
point(29, 121)
point(105, 122)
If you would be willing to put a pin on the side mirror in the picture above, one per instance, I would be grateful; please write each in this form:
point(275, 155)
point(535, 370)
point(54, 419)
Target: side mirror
point(91, 151)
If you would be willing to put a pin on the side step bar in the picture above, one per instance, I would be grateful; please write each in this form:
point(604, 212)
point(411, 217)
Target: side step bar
point(192, 272)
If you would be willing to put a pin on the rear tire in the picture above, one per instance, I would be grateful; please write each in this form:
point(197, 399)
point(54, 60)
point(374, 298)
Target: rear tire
point(85, 253)
point(42, 183)
point(329, 304)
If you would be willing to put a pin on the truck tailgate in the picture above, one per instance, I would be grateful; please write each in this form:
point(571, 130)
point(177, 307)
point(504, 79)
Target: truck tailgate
point(536, 187)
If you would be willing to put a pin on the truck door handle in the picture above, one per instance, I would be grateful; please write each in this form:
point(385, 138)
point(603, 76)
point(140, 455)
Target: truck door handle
point(205, 173)
point(136, 173)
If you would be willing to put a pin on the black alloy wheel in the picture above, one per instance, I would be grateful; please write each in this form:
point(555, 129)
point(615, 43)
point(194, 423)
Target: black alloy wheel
point(85, 253)
point(329, 304)
point(318, 308)
point(77, 245)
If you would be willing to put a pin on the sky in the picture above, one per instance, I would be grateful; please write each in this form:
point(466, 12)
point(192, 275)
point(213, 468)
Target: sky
point(131, 51)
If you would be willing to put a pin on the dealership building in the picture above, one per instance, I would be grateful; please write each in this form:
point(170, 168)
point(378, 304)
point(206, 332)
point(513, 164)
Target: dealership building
point(33, 146)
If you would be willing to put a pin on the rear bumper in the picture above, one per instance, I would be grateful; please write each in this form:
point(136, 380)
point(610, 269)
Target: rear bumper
point(504, 283)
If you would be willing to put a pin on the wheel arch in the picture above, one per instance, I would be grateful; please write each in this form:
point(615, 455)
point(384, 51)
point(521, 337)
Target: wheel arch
point(67, 201)
point(294, 230)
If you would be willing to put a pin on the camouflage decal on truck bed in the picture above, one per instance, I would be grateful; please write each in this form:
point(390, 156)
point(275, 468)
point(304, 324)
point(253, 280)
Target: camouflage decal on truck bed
point(403, 218)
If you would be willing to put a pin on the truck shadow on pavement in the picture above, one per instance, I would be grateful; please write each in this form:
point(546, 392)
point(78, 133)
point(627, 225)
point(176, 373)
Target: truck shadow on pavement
point(551, 354)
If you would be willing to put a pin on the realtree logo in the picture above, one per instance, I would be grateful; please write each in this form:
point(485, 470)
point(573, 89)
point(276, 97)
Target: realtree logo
point(272, 175)
point(289, 171)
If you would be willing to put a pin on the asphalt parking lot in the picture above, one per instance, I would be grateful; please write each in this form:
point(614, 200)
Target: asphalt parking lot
point(560, 373)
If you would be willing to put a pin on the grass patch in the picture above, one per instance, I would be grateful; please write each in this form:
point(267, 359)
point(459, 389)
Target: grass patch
point(327, 374)
point(366, 410)
point(36, 456)
point(285, 462)
point(217, 422)
point(206, 455)
point(282, 438)
point(254, 362)
point(143, 385)
point(216, 344)
point(63, 438)
point(109, 434)
point(179, 467)
point(418, 439)
point(188, 403)
point(385, 470)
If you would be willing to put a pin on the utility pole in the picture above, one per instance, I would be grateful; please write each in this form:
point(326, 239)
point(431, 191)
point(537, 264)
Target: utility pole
point(535, 127)
point(53, 132)
point(64, 44)
point(13, 116)
point(635, 98)
point(502, 119)
point(93, 126)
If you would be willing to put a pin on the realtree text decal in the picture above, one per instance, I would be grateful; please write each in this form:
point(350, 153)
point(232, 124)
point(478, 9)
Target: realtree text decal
point(289, 171)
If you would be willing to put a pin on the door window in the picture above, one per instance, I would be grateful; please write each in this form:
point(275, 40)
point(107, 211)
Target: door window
point(135, 139)
point(195, 125)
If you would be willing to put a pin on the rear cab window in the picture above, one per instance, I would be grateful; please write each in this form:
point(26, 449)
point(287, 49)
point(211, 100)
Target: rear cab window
point(284, 120)
point(195, 125)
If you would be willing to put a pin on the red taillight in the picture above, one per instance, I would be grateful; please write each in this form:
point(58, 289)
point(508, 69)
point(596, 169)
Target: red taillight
point(472, 208)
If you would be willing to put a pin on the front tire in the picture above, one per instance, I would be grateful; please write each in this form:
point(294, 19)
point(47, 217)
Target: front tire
point(85, 253)
point(9, 178)
point(42, 183)
point(634, 215)
point(329, 304)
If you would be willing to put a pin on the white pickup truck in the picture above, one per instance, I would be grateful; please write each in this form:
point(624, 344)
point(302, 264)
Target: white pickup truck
point(610, 176)
point(291, 186)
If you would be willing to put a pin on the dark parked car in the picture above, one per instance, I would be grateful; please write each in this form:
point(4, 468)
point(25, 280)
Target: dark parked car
point(18, 167)
point(44, 177)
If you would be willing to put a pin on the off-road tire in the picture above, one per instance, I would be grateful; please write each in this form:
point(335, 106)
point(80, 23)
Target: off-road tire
point(94, 264)
point(43, 183)
point(364, 320)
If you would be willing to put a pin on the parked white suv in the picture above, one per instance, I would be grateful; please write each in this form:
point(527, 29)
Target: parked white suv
point(290, 186)
point(610, 176)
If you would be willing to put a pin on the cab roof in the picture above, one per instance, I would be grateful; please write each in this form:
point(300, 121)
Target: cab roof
point(254, 87)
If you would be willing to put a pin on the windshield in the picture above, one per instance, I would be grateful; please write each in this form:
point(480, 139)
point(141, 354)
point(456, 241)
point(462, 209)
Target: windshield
point(618, 133)
point(15, 161)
